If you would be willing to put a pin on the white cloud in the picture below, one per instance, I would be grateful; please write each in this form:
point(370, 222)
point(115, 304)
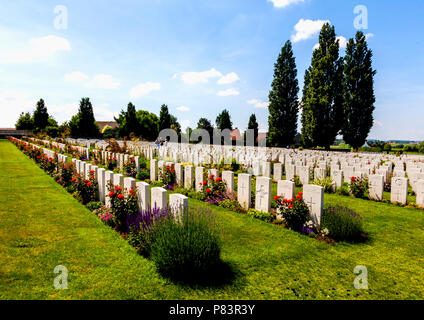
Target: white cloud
point(144, 88)
point(258, 103)
point(229, 78)
point(36, 49)
point(103, 81)
point(284, 3)
point(200, 77)
point(174, 76)
point(185, 124)
point(369, 35)
point(76, 76)
point(306, 29)
point(183, 108)
point(12, 103)
point(378, 123)
point(228, 92)
point(342, 42)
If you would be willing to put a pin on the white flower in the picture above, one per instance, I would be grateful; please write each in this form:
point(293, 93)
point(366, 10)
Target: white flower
point(325, 231)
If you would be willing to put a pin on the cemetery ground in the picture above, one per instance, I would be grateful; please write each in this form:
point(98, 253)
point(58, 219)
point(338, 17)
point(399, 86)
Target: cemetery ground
point(43, 226)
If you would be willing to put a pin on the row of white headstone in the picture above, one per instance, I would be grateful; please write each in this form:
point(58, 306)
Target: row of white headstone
point(147, 197)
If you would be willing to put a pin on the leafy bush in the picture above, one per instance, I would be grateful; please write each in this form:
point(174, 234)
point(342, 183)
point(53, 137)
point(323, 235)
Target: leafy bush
point(232, 205)
point(264, 216)
point(197, 195)
point(94, 205)
point(343, 190)
point(87, 189)
point(129, 168)
point(358, 187)
point(122, 206)
point(105, 214)
point(185, 249)
point(296, 180)
point(342, 223)
point(327, 183)
point(295, 212)
point(143, 174)
point(169, 177)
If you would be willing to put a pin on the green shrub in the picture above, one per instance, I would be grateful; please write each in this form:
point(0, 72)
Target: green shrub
point(358, 187)
point(342, 223)
point(94, 205)
point(232, 205)
point(197, 195)
point(186, 249)
point(327, 183)
point(294, 211)
point(264, 216)
point(343, 190)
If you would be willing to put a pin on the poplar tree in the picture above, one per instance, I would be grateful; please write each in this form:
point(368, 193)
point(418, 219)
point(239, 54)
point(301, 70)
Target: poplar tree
point(322, 103)
point(283, 100)
point(358, 92)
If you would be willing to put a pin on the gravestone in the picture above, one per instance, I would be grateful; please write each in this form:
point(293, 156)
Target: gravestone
point(158, 198)
point(263, 194)
point(228, 178)
point(337, 176)
point(101, 184)
point(278, 171)
point(420, 193)
point(199, 179)
point(214, 173)
point(188, 177)
point(143, 196)
point(118, 180)
point(178, 204)
point(319, 173)
point(290, 171)
point(153, 170)
point(286, 189)
point(304, 175)
point(244, 189)
point(179, 173)
point(128, 184)
point(314, 199)
point(267, 169)
point(399, 190)
point(376, 187)
point(108, 182)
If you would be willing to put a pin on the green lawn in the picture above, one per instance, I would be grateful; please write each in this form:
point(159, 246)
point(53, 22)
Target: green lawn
point(43, 226)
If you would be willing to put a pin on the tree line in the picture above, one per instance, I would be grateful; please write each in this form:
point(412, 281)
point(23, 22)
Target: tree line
point(337, 98)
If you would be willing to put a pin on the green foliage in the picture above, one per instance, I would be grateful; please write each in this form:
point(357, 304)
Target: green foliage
point(185, 249)
point(421, 147)
point(232, 205)
point(40, 117)
point(342, 223)
point(52, 131)
point(253, 125)
point(283, 98)
point(94, 205)
point(358, 92)
point(148, 124)
point(223, 120)
point(327, 183)
point(127, 121)
point(343, 190)
point(83, 124)
point(322, 101)
point(25, 122)
point(294, 211)
point(143, 174)
point(260, 215)
point(164, 118)
point(358, 187)
point(205, 124)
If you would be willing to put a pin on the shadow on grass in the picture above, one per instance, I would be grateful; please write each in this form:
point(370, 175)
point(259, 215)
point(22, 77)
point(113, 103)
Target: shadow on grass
point(218, 276)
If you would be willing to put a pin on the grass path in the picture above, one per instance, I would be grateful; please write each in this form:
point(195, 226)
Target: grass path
point(42, 226)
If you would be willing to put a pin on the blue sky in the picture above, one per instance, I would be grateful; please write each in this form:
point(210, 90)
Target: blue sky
point(198, 57)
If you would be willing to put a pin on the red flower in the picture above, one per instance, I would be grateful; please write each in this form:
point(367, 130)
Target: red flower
point(74, 179)
point(298, 197)
point(218, 179)
point(118, 188)
point(111, 194)
point(291, 206)
point(121, 196)
point(276, 198)
point(353, 179)
point(300, 193)
point(89, 184)
point(208, 190)
point(91, 171)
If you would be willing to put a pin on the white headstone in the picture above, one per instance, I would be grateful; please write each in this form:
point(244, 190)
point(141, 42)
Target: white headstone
point(286, 189)
point(244, 189)
point(263, 194)
point(376, 187)
point(143, 195)
point(199, 179)
point(158, 198)
point(178, 203)
point(399, 190)
point(228, 178)
point(314, 199)
point(188, 177)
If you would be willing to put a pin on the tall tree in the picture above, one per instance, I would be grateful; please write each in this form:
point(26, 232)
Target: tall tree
point(128, 122)
point(175, 125)
point(25, 122)
point(283, 100)
point(164, 118)
point(358, 92)
point(149, 125)
point(205, 124)
point(322, 104)
point(83, 124)
point(223, 121)
point(253, 125)
point(41, 116)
